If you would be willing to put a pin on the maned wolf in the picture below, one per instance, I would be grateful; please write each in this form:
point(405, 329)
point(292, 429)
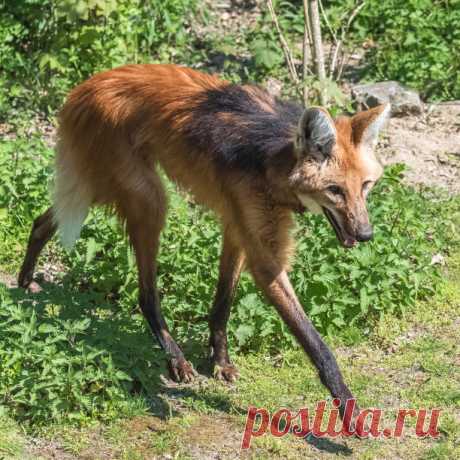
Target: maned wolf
point(253, 159)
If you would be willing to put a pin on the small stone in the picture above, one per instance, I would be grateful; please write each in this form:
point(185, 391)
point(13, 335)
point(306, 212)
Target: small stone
point(404, 101)
point(443, 158)
point(437, 259)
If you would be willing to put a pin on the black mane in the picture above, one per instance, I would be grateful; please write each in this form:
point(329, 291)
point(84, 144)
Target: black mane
point(241, 127)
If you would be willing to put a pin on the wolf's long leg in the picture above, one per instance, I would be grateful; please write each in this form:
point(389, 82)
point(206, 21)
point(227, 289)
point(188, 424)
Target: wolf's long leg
point(231, 263)
point(144, 213)
point(278, 289)
point(270, 275)
point(43, 230)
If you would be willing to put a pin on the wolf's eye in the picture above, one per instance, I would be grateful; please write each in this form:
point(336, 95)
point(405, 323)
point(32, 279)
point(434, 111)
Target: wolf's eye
point(335, 190)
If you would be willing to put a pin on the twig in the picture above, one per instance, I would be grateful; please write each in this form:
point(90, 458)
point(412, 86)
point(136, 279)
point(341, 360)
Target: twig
point(326, 20)
point(343, 62)
point(306, 45)
point(285, 46)
point(334, 58)
point(353, 15)
point(339, 43)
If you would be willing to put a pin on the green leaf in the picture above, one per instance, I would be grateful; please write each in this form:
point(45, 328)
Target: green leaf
point(264, 55)
point(363, 300)
point(47, 328)
point(91, 249)
point(243, 333)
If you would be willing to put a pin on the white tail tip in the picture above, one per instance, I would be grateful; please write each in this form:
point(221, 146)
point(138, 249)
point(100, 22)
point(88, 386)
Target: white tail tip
point(71, 206)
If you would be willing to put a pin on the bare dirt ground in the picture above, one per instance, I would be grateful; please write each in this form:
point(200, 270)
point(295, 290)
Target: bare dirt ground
point(428, 144)
point(230, 16)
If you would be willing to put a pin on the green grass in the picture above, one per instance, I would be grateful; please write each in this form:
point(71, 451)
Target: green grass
point(11, 441)
point(80, 349)
point(409, 362)
point(79, 368)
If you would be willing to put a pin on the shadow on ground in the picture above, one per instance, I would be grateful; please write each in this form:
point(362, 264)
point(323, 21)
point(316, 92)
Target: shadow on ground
point(126, 336)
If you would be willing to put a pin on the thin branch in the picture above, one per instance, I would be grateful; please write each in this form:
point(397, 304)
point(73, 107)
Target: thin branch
point(335, 46)
point(326, 20)
point(306, 45)
point(344, 62)
point(353, 15)
point(335, 56)
point(284, 44)
point(343, 34)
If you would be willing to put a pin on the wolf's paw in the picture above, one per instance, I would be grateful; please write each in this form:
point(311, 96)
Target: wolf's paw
point(228, 373)
point(181, 370)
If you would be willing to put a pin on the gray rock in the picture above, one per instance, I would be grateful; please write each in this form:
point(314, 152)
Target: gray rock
point(403, 101)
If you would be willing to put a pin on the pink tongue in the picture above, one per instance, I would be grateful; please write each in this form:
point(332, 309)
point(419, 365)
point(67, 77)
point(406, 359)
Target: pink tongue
point(350, 242)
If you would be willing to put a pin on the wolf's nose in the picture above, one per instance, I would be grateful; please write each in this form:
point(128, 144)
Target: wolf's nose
point(365, 233)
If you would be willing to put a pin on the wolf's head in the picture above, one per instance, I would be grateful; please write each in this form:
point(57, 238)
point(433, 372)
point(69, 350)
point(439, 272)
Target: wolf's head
point(336, 168)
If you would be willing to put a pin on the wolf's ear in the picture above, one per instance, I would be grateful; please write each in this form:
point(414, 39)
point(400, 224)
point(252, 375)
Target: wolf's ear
point(316, 134)
point(367, 125)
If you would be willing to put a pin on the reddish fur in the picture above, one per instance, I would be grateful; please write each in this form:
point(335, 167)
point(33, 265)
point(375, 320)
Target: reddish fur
point(117, 127)
point(119, 123)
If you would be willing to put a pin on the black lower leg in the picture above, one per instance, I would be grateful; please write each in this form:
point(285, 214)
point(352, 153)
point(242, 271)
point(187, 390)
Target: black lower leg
point(218, 325)
point(279, 290)
point(180, 369)
point(150, 307)
point(230, 269)
point(218, 319)
point(43, 230)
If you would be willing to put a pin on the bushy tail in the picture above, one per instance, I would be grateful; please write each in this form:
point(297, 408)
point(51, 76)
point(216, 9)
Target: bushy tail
point(72, 200)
